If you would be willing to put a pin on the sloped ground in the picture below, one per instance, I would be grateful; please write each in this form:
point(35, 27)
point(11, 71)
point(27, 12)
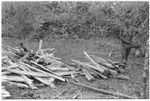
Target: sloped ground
point(74, 50)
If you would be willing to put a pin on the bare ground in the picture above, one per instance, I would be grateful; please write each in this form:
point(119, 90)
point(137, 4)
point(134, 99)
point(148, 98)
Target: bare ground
point(74, 50)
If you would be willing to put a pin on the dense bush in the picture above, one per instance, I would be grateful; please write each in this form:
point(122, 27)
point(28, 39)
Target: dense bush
point(38, 20)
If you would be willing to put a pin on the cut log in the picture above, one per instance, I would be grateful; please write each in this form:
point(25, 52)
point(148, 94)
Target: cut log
point(103, 62)
point(103, 71)
point(30, 73)
point(113, 63)
point(94, 72)
point(13, 78)
point(54, 68)
point(89, 66)
point(47, 72)
point(44, 74)
point(93, 62)
point(43, 68)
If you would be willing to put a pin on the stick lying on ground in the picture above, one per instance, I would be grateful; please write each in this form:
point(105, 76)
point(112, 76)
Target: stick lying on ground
point(103, 91)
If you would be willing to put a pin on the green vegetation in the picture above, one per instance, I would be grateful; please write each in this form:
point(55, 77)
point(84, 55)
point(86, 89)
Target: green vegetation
point(73, 19)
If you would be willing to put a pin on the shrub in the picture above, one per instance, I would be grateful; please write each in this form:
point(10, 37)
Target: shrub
point(73, 19)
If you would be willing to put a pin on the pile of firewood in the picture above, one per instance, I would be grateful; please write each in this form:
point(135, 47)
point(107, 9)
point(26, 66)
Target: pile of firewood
point(98, 67)
point(22, 67)
point(28, 68)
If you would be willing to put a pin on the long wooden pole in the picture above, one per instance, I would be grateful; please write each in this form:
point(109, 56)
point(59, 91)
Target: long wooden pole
point(102, 91)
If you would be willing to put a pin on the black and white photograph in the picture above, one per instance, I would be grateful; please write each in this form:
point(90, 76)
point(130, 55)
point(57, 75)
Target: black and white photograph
point(74, 49)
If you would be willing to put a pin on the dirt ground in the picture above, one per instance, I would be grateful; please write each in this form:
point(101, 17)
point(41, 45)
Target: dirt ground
point(73, 49)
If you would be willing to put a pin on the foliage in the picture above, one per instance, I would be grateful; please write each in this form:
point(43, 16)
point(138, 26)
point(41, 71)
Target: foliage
point(73, 19)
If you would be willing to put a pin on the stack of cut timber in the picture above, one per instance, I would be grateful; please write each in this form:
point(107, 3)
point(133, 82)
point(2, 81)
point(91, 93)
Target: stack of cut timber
point(24, 67)
point(101, 68)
